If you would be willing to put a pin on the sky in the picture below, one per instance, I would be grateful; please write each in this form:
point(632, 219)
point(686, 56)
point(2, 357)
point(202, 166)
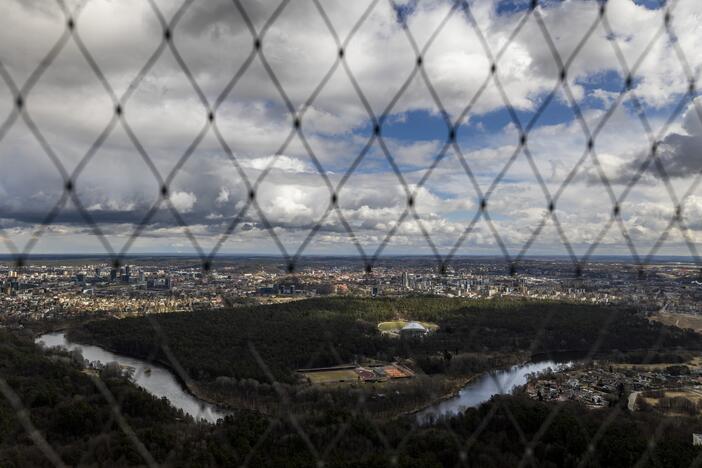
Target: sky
point(448, 155)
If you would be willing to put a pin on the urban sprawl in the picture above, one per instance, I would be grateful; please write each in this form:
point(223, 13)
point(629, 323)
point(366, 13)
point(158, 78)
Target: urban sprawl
point(59, 289)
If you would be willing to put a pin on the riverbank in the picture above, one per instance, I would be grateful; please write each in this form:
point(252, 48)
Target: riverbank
point(154, 376)
point(453, 393)
point(188, 386)
point(482, 387)
point(448, 387)
point(519, 359)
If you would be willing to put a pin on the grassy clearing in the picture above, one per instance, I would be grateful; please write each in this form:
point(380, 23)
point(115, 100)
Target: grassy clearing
point(693, 395)
point(390, 326)
point(680, 320)
point(694, 363)
point(647, 367)
point(331, 376)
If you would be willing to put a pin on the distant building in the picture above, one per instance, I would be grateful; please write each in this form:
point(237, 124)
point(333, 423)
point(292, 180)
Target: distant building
point(405, 280)
point(287, 288)
point(7, 287)
point(164, 283)
point(413, 330)
point(696, 439)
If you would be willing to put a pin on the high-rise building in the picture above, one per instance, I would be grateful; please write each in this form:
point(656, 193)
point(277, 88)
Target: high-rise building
point(127, 274)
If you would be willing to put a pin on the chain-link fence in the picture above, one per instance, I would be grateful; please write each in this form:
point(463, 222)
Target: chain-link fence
point(498, 94)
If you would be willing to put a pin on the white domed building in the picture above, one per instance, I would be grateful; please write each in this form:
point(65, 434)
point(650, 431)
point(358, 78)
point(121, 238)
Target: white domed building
point(413, 330)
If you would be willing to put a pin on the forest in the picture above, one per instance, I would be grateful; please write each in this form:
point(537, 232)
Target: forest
point(244, 357)
point(67, 408)
point(331, 331)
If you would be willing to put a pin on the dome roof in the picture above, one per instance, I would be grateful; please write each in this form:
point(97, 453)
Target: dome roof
point(414, 326)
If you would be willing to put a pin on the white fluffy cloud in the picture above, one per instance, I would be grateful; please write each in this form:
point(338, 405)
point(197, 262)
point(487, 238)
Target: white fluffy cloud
point(183, 201)
point(117, 187)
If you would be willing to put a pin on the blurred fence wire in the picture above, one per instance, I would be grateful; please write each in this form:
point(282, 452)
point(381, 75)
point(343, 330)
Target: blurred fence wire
point(531, 12)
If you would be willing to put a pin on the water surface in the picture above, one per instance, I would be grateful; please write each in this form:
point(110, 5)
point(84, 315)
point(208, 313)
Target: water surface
point(483, 388)
point(160, 382)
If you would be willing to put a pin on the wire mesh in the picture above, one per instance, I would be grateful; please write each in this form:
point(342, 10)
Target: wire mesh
point(338, 186)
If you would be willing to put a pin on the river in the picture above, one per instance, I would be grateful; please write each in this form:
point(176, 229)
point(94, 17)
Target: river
point(483, 388)
point(160, 382)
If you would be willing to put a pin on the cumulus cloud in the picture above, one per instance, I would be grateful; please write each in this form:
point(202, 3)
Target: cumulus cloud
point(678, 154)
point(183, 201)
point(117, 187)
point(280, 162)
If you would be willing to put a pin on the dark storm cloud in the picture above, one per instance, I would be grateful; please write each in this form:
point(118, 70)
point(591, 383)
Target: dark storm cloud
point(679, 154)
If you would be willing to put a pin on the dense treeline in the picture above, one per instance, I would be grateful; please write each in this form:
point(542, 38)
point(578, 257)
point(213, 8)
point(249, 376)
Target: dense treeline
point(320, 332)
point(71, 413)
point(497, 439)
point(67, 409)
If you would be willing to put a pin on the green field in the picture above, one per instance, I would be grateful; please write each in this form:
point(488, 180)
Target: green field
point(331, 376)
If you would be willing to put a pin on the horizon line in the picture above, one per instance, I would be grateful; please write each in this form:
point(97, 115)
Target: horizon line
point(9, 256)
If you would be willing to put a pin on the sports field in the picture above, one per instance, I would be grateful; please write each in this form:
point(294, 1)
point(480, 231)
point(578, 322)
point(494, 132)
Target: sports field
point(373, 373)
point(331, 376)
